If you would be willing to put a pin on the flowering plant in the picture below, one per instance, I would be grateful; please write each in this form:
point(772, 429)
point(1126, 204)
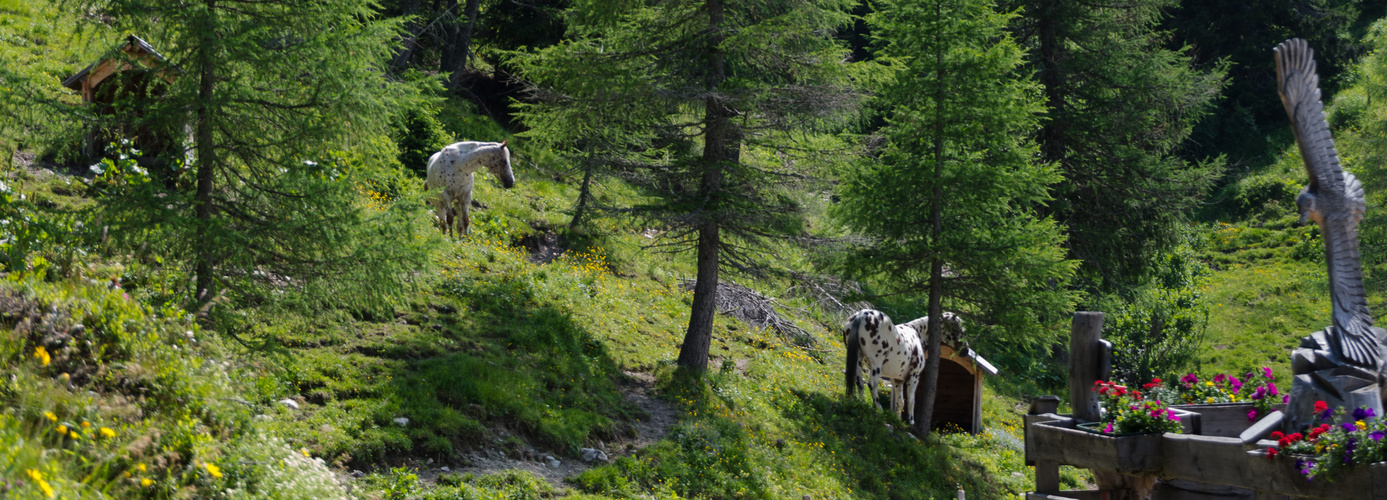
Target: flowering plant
point(1126, 411)
point(1257, 386)
point(1330, 447)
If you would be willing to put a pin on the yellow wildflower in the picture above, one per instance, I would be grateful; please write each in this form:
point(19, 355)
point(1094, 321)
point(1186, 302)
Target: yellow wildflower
point(213, 470)
point(74, 435)
point(106, 432)
point(50, 416)
point(1361, 426)
point(1210, 384)
point(62, 429)
point(42, 355)
point(43, 485)
point(139, 467)
point(146, 482)
point(86, 424)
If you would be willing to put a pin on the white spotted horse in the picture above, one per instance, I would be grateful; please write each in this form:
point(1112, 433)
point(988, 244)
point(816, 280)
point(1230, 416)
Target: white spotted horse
point(452, 169)
point(894, 352)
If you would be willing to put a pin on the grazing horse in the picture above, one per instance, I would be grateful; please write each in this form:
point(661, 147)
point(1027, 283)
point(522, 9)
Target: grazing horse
point(894, 352)
point(452, 169)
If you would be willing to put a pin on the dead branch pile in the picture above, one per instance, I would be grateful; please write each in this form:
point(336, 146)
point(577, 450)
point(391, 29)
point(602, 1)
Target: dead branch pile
point(827, 293)
point(755, 309)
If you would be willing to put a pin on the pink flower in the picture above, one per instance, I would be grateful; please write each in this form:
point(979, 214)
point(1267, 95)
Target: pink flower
point(1252, 415)
point(1108, 429)
point(1266, 370)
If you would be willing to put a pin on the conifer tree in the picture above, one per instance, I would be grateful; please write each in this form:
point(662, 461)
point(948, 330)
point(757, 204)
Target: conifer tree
point(679, 96)
point(287, 112)
point(1119, 107)
point(950, 200)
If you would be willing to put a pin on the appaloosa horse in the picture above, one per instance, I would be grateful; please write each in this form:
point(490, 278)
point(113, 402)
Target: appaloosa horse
point(894, 352)
point(452, 169)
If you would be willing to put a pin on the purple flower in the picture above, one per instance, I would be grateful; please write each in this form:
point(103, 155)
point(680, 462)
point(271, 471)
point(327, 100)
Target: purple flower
point(1237, 384)
point(1252, 415)
point(1260, 393)
point(1286, 399)
point(1364, 414)
point(1377, 435)
point(1324, 417)
point(1271, 388)
point(1190, 378)
point(1307, 468)
point(1108, 429)
point(1349, 427)
point(1220, 378)
point(1266, 370)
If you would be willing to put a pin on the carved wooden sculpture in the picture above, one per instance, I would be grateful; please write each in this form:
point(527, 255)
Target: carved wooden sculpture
point(1341, 364)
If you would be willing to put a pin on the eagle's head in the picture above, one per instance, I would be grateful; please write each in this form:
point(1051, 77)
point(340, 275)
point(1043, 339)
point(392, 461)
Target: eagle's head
point(1307, 206)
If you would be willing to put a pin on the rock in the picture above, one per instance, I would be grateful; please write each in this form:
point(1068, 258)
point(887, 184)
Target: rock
point(293, 405)
point(401, 421)
point(593, 455)
point(446, 469)
point(888, 427)
point(553, 462)
point(429, 461)
point(1017, 474)
point(358, 474)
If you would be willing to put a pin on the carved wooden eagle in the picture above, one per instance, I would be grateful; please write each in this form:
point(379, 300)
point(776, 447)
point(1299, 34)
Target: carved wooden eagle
point(1333, 199)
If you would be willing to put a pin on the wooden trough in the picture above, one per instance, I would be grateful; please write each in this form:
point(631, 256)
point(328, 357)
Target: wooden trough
point(1219, 455)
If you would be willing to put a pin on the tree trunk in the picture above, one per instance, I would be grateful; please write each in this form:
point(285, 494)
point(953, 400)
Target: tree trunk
point(721, 144)
point(1052, 130)
point(455, 54)
point(206, 155)
point(924, 406)
point(410, 39)
point(584, 192)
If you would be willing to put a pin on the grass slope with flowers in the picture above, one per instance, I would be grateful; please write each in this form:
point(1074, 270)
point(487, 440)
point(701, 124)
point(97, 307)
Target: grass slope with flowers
point(107, 394)
point(112, 392)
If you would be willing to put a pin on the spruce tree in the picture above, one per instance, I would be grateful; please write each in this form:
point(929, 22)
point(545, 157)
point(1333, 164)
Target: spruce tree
point(950, 200)
point(689, 99)
point(291, 183)
point(1119, 108)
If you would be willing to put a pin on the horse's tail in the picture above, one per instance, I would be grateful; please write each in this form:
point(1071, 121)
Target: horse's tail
point(852, 374)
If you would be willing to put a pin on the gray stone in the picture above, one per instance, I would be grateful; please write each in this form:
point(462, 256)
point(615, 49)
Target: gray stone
point(593, 455)
point(293, 405)
point(401, 421)
point(358, 474)
point(553, 462)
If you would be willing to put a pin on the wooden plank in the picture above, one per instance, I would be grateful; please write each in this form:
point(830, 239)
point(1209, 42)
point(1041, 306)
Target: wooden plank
point(1068, 495)
point(1280, 476)
point(1379, 475)
point(1047, 477)
point(1262, 428)
point(1027, 421)
point(1181, 489)
point(1129, 455)
point(1083, 364)
point(1206, 459)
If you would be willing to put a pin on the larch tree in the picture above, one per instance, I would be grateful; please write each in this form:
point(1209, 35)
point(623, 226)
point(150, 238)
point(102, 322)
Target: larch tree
point(289, 185)
point(950, 201)
point(695, 100)
point(1119, 107)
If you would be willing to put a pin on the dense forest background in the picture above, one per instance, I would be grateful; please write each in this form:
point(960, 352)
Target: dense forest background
point(705, 190)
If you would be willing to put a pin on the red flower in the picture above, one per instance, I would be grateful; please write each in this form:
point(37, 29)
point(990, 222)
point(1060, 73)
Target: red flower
point(1277, 435)
point(1271, 452)
point(1320, 407)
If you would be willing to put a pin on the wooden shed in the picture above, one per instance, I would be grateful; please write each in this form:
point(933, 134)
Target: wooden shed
point(110, 78)
point(959, 400)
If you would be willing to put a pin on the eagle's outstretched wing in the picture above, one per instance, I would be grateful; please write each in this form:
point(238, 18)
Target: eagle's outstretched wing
point(1337, 200)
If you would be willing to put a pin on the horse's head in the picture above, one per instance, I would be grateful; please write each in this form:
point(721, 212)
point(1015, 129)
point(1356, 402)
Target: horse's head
point(500, 166)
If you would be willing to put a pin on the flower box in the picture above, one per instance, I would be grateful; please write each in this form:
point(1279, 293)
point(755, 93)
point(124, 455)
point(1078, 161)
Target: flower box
point(1062, 442)
point(1280, 475)
point(1222, 419)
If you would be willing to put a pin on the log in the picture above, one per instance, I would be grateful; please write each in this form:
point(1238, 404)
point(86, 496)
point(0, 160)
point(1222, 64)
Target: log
point(1084, 357)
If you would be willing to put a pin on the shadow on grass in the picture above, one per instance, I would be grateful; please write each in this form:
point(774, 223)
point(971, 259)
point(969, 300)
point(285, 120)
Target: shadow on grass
point(880, 461)
point(482, 365)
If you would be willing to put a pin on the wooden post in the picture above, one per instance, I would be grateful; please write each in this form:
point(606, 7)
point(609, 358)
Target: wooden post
point(1084, 357)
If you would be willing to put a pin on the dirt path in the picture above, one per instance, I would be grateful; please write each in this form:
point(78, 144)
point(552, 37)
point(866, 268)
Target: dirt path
point(494, 459)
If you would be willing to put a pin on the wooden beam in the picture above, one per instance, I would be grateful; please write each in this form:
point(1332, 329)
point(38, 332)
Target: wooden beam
point(1083, 364)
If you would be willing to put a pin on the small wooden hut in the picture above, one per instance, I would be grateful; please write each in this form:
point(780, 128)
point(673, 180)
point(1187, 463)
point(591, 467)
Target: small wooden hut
point(959, 400)
point(110, 78)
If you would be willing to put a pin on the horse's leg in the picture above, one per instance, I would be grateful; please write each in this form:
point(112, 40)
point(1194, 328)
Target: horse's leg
point(874, 382)
point(466, 200)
